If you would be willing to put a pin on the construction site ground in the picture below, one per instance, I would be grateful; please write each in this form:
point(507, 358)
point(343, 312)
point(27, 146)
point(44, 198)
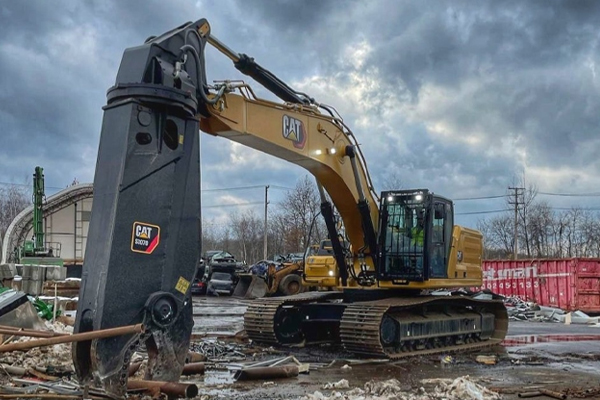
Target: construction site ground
point(535, 355)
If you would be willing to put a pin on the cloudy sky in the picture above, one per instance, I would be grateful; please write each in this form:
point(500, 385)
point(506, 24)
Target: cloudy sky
point(463, 97)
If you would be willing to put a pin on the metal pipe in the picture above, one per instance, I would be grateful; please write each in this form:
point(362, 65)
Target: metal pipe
point(175, 389)
point(49, 396)
point(525, 395)
point(193, 369)
point(552, 393)
point(249, 374)
point(133, 368)
point(77, 337)
point(13, 370)
point(193, 357)
point(31, 333)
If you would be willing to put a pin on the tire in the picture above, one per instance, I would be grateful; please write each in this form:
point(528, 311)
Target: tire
point(290, 285)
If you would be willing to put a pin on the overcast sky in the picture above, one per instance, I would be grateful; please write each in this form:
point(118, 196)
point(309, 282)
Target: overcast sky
point(463, 97)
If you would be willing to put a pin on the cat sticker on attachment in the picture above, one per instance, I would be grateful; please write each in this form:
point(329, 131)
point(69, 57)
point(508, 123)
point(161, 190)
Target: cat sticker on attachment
point(144, 237)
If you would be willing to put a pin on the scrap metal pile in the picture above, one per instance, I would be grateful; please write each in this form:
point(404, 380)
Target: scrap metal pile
point(462, 388)
point(520, 310)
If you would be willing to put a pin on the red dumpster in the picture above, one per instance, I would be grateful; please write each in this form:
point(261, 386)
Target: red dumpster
point(571, 284)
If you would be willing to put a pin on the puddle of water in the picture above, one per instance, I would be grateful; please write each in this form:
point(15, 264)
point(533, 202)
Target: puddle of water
point(529, 339)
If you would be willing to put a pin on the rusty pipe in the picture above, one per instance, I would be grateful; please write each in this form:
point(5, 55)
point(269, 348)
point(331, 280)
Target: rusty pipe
point(193, 369)
point(31, 333)
point(133, 368)
point(552, 393)
point(193, 357)
point(525, 395)
point(76, 337)
point(248, 374)
point(175, 389)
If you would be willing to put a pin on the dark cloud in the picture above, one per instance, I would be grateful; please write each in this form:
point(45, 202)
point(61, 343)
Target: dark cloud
point(462, 97)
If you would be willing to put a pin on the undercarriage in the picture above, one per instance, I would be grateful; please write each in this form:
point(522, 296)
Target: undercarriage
point(391, 327)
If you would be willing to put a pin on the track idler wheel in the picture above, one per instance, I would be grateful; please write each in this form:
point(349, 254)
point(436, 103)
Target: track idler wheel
point(288, 325)
point(388, 331)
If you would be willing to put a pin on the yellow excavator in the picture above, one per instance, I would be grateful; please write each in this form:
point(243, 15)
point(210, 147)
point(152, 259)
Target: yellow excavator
point(144, 229)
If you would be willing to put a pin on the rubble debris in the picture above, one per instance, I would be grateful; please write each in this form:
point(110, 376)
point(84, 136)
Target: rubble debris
point(12, 331)
point(487, 360)
point(519, 310)
point(257, 373)
point(70, 321)
point(60, 390)
point(193, 369)
point(341, 384)
point(77, 337)
point(553, 394)
point(171, 389)
point(16, 310)
point(577, 317)
point(526, 395)
point(216, 350)
point(194, 357)
point(285, 367)
point(446, 360)
point(13, 370)
point(68, 288)
point(10, 300)
point(346, 367)
point(462, 388)
point(133, 368)
point(583, 393)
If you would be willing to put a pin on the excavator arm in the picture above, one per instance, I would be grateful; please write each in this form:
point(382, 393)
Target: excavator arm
point(144, 235)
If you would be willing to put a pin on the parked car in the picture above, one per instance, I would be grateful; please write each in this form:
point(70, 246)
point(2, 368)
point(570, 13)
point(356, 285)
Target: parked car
point(198, 286)
point(220, 283)
point(295, 257)
point(199, 281)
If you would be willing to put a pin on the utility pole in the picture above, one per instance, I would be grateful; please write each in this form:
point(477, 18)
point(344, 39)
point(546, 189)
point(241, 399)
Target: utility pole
point(518, 191)
point(265, 231)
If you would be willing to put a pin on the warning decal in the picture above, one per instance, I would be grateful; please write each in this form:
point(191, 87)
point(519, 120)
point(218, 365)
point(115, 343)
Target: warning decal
point(144, 237)
point(182, 285)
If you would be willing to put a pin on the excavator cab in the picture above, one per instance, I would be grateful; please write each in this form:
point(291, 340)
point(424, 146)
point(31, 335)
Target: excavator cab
point(415, 236)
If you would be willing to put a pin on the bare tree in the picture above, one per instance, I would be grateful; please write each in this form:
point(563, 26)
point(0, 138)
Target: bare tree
point(13, 200)
point(545, 233)
point(295, 215)
point(392, 181)
point(499, 234)
point(248, 231)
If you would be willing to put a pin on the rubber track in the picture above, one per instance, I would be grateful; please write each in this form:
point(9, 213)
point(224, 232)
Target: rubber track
point(259, 318)
point(359, 327)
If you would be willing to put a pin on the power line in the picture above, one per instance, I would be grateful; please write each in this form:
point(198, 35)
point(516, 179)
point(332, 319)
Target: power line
point(571, 194)
point(26, 185)
point(578, 208)
point(233, 188)
point(481, 198)
point(481, 212)
point(245, 188)
point(280, 187)
point(233, 205)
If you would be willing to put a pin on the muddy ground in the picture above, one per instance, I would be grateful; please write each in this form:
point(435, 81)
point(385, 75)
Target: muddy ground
point(535, 355)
